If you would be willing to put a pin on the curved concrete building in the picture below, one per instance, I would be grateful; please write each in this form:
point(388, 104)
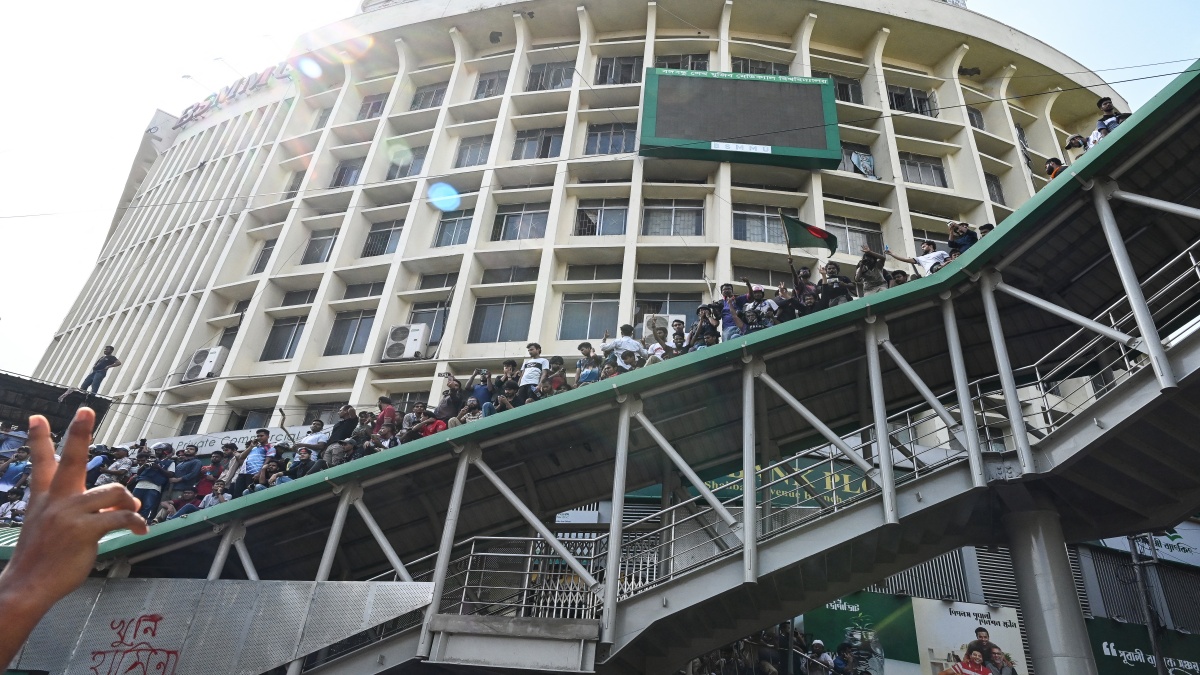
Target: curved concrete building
point(429, 185)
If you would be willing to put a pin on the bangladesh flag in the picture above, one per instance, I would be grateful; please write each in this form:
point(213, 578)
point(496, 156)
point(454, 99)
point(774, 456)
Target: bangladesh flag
point(802, 235)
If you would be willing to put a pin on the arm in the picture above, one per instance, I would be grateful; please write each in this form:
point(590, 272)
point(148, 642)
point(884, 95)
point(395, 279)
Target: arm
point(911, 261)
point(799, 283)
point(737, 320)
point(114, 365)
point(878, 256)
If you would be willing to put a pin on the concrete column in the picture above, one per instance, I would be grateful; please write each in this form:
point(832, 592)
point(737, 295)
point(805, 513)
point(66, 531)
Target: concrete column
point(1058, 639)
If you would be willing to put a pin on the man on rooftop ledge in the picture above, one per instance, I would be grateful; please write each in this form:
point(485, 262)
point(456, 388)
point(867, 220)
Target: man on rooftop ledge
point(930, 257)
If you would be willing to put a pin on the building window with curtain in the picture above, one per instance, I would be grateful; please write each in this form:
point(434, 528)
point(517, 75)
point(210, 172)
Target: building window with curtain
point(848, 150)
point(521, 221)
point(759, 223)
point(601, 217)
point(673, 217)
point(546, 76)
point(383, 238)
point(852, 234)
point(320, 245)
point(473, 151)
point(610, 139)
point(429, 96)
point(587, 315)
point(350, 332)
point(283, 338)
point(503, 319)
point(491, 84)
point(453, 228)
point(432, 314)
point(619, 70)
point(538, 143)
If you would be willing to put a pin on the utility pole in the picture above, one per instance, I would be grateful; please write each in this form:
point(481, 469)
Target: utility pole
point(1147, 610)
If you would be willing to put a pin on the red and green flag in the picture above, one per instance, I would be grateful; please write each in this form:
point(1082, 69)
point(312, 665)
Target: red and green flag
point(802, 235)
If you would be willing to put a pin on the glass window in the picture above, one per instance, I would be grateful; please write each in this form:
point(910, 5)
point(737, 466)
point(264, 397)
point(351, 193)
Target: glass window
point(755, 222)
point(768, 278)
point(619, 70)
point(293, 298)
point(264, 256)
point(191, 424)
point(372, 106)
point(320, 245)
point(848, 150)
point(283, 338)
point(911, 100)
point(453, 228)
point(442, 280)
point(473, 151)
point(923, 169)
point(409, 167)
point(975, 117)
point(503, 319)
point(350, 332)
point(544, 76)
point(601, 217)
point(241, 306)
point(994, 188)
point(383, 238)
point(228, 336)
point(429, 96)
point(611, 139)
point(671, 217)
point(509, 275)
point(682, 61)
point(491, 84)
point(587, 315)
point(258, 418)
point(846, 89)
point(757, 67)
point(538, 143)
point(521, 221)
point(326, 412)
point(363, 290)
point(852, 234)
point(593, 272)
point(676, 271)
point(432, 314)
point(938, 238)
point(663, 303)
point(347, 172)
point(322, 118)
point(293, 187)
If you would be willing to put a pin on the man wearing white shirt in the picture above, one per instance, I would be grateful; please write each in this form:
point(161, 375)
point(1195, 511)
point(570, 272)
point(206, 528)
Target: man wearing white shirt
point(316, 439)
point(929, 258)
point(533, 371)
point(625, 343)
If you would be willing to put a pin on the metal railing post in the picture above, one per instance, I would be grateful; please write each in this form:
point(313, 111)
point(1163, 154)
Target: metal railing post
point(686, 470)
point(1133, 288)
point(612, 565)
point(887, 478)
point(234, 530)
point(749, 479)
point(382, 540)
point(243, 553)
point(1008, 383)
point(966, 406)
point(424, 646)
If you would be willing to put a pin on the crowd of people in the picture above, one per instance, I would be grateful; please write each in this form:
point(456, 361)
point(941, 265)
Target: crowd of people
point(1110, 119)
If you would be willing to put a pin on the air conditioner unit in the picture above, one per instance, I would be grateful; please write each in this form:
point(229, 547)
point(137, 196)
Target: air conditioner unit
point(652, 321)
point(406, 342)
point(205, 363)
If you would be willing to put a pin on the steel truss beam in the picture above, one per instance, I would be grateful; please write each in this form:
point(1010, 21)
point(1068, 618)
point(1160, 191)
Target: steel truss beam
point(1066, 314)
point(962, 388)
point(1008, 383)
point(887, 479)
point(687, 471)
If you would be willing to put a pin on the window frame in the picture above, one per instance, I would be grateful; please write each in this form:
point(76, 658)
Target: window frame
point(686, 61)
point(459, 224)
point(921, 166)
point(690, 271)
point(759, 216)
point(532, 219)
point(745, 64)
point(371, 107)
point(541, 75)
point(845, 89)
point(544, 143)
point(865, 231)
point(577, 272)
point(507, 303)
point(264, 256)
point(347, 173)
point(440, 310)
point(357, 325)
point(517, 274)
point(412, 167)
point(441, 279)
point(916, 101)
point(391, 241)
point(599, 226)
point(293, 187)
point(369, 288)
point(192, 421)
point(675, 207)
point(297, 298)
point(429, 96)
point(479, 146)
point(602, 314)
point(600, 138)
point(995, 188)
point(317, 238)
point(615, 70)
point(975, 115)
point(295, 325)
point(490, 81)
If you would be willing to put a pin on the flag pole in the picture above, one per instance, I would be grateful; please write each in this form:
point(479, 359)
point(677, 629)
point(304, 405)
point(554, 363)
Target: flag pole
point(787, 240)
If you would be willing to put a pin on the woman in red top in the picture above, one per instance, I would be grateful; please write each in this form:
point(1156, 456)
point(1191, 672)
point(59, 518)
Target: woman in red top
point(972, 664)
point(387, 414)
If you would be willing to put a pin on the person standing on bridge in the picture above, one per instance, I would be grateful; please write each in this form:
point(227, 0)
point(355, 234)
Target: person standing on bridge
point(105, 363)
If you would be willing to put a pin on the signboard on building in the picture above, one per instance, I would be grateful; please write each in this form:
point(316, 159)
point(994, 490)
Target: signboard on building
point(206, 443)
point(1180, 544)
point(1124, 649)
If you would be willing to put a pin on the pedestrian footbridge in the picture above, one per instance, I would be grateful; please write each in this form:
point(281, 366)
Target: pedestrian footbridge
point(1042, 389)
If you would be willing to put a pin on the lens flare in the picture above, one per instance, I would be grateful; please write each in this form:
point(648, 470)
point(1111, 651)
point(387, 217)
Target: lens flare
point(309, 67)
point(444, 197)
point(399, 153)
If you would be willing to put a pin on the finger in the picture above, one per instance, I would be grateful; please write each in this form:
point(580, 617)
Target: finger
point(41, 452)
point(106, 521)
point(110, 496)
point(71, 475)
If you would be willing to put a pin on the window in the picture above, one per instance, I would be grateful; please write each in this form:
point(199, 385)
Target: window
point(601, 217)
point(320, 245)
point(429, 96)
point(322, 118)
point(347, 172)
point(326, 412)
point(521, 221)
point(228, 336)
point(587, 315)
point(191, 424)
point(755, 222)
point(283, 338)
point(264, 256)
point(675, 271)
point(404, 400)
point(504, 319)
point(363, 290)
point(848, 150)
point(619, 70)
point(409, 167)
point(491, 84)
point(293, 187)
point(911, 100)
point(922, 169)
point(432, 314)
point(846, 89)
point(509, 275)
point(663, 303)
point(852, 234)
point(241, 306)
point(473, 151)
point(756, 67)
point(453, 228)
point(975, 117)
point(383, 238)
point(538, 143)
point(257, 418)
point(350, 332)
point(682, 61)
point(768, 278)
point(610, 139)
point(666, 217)
point(442, 280)
point(545, 76)
point(938, 238)
point(994, 188)
point(372, 106)
point(293, 298)
point(593, 272)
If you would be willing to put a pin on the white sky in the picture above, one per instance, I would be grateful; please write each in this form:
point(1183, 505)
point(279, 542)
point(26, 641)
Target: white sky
point(85, 77)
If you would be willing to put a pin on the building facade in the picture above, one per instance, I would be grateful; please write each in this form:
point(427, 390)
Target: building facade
point(471, 173)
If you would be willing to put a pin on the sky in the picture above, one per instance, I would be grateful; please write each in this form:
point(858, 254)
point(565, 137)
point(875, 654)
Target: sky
point(84, 78)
